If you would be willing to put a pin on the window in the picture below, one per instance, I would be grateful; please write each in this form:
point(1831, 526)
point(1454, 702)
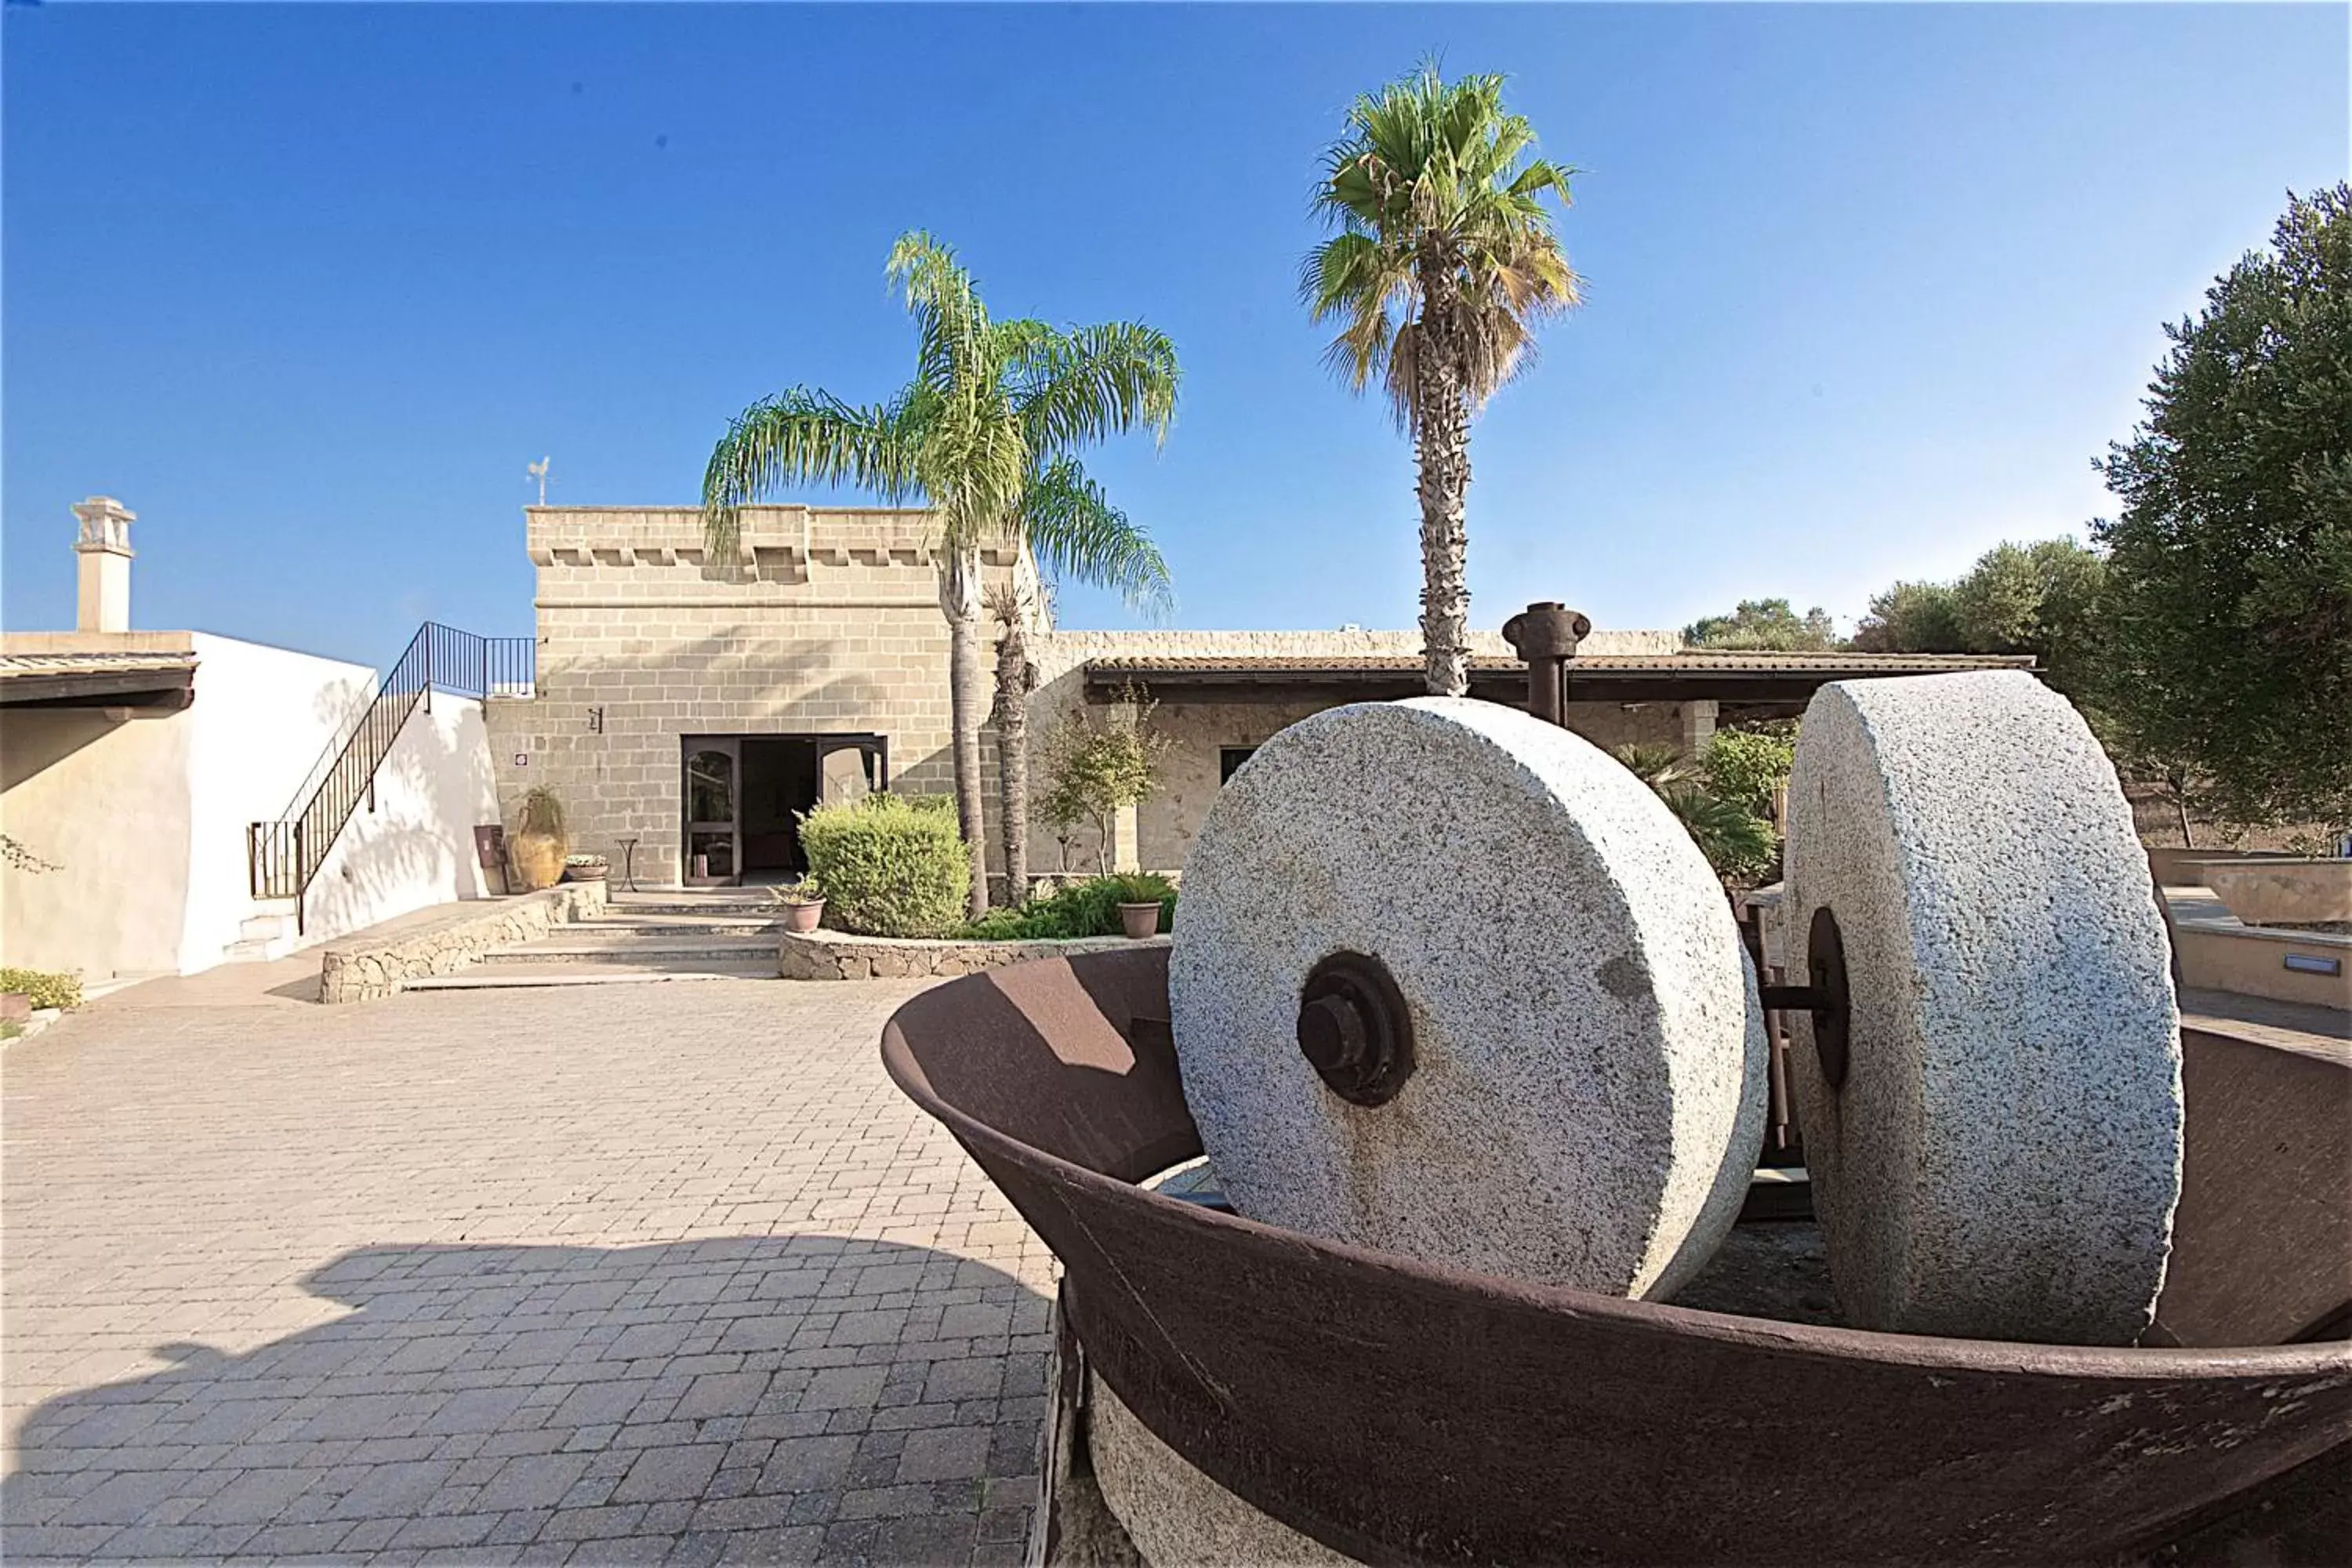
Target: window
point(1230, 758)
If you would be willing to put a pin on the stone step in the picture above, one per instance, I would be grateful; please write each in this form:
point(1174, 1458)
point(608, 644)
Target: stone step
point(721, 904)
point(568, 949)
point(518, 977)
point(633, 925)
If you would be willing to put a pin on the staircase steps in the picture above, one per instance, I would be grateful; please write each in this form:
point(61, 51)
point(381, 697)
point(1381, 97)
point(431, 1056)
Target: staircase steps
point(574, 945)
point(525, 977)
point(681, 925)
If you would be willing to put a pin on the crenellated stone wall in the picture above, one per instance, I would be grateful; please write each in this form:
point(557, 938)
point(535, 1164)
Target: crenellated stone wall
point(826, 620)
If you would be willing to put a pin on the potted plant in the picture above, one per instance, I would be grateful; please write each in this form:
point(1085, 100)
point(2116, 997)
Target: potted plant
point(586, 868)
point(539, 841)
point(803, 904)
point(1141, 901)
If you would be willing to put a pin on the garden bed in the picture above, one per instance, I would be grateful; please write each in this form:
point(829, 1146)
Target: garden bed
point(837, 955)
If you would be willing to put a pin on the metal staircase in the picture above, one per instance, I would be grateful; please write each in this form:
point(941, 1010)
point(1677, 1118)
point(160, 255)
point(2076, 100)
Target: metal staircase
point(283, 856)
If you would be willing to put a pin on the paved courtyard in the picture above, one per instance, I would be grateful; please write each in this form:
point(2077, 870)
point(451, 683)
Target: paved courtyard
point(610, 1274)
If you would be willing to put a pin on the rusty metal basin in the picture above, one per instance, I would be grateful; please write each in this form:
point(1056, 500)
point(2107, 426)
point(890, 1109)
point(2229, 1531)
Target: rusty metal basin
point(1404, 1413)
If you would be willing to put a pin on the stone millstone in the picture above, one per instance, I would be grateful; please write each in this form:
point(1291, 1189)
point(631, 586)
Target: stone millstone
point(1588, 1097)
point(2003, 1157)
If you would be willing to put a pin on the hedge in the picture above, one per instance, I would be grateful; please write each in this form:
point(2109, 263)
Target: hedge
point(1082, 909)
point(891, 866)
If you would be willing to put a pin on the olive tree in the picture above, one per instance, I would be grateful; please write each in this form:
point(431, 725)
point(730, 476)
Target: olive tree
point(2229, 593)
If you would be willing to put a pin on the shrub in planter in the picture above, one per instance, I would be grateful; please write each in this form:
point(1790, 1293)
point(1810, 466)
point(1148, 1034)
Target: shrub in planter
point(803, 901)
point(889, 865)
point(586, 868)
point(43, 989)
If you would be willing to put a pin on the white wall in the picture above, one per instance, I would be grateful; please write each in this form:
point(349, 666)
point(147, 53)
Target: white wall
point(416, 848)
point(104, 801)
point(264, 719)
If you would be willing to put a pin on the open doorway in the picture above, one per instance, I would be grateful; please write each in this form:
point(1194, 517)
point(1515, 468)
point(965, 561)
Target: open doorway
point(743, 795)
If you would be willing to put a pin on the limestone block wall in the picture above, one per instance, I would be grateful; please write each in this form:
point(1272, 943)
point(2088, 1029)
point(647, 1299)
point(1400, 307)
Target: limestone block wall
point(825, 621)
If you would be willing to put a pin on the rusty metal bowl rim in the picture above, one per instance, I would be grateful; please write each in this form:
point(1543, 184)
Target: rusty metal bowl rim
point(1919, 1351)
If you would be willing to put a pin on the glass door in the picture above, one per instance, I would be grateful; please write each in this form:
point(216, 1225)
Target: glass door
point(714, 828)
point(851, 767)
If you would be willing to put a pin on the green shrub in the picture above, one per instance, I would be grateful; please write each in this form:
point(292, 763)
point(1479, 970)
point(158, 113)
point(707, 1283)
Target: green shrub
point(889, 865)
point(1747, 767)
point(44, 990)
point(1083, 908)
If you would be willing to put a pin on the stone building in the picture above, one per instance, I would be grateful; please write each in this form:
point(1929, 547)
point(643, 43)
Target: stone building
point(687, 708)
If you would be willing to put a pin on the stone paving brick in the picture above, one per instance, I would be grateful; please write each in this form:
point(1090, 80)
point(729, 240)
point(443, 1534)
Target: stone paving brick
point(945, 1454)
point(642, 1274)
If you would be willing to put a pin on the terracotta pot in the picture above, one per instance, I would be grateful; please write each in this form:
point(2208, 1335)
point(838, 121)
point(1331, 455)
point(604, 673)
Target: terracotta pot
point(586, 873)
point(804, 917)
point(1140, 920)
point(538, 858)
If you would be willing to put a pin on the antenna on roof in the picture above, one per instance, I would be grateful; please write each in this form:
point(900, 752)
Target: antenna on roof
point(539, 471)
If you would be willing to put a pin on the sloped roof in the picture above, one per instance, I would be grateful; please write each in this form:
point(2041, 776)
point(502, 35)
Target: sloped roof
point(1783, 680)
point(98, 679)
point(1829, 665)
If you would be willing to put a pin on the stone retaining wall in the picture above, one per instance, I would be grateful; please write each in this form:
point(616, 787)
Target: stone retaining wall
point(367, 967)
point(837, 955)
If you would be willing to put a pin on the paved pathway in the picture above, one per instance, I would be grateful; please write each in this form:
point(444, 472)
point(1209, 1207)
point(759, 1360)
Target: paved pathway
point(657, 1273)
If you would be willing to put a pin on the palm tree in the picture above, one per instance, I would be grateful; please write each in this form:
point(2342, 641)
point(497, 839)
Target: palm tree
point(1014, 607)
point(984, 437)
point(1735, 840)
point(1443, 259)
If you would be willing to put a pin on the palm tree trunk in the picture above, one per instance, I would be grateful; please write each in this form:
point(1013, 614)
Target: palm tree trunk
point(1442, 446)
point(967, 696)
point(1012, 680)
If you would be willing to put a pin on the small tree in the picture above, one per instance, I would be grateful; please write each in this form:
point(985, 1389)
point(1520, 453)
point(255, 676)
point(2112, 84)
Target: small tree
point(2230, 572)
point(2043, 599)
point(1751, 767)
point(1767, 624)
point(1096, 769)
point(1911, 617)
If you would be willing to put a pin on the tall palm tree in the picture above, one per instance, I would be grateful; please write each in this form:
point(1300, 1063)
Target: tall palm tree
point(984, 436)
point(1443, 259)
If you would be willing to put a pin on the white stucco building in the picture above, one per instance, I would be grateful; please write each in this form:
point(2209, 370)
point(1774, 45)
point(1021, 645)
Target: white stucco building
point(133, 765)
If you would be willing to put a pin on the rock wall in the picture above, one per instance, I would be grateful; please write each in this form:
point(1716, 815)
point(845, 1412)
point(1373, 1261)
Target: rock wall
point(837, 955)
point(367, 969)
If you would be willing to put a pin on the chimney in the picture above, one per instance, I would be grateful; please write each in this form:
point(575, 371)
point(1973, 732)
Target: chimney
point(103, 602)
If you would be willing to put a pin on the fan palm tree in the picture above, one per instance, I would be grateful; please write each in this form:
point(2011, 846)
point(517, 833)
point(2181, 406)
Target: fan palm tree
point(1442, 260)
point(984, 437)
point(1735, 840)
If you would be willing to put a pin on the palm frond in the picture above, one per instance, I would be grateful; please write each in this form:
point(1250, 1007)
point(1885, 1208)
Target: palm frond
point(952, 326)
point(1079, 533)
point(1437, 175)
point(1077, 387)
point(803, 436)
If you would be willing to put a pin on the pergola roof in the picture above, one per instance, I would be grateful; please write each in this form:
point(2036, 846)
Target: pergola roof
point(1773, 677)
point(123, 679)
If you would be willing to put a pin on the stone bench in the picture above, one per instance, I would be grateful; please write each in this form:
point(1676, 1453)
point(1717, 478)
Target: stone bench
point(369, 965)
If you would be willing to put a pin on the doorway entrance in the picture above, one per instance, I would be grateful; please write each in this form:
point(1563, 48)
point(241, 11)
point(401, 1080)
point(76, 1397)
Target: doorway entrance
point(742, 796)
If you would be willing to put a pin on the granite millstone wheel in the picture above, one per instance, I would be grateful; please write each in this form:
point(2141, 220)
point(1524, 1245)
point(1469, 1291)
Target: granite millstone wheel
point(1993, 1126)
point(1450, 982)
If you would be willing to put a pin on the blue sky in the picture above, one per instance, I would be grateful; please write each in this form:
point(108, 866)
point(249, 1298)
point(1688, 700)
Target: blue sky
point(1868, 288)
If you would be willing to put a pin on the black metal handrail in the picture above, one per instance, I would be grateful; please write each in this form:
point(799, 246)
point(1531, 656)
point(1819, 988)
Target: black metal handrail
point(284, 856)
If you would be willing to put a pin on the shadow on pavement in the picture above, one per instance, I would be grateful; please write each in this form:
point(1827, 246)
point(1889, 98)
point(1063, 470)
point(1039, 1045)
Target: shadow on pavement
point(771, 1398)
